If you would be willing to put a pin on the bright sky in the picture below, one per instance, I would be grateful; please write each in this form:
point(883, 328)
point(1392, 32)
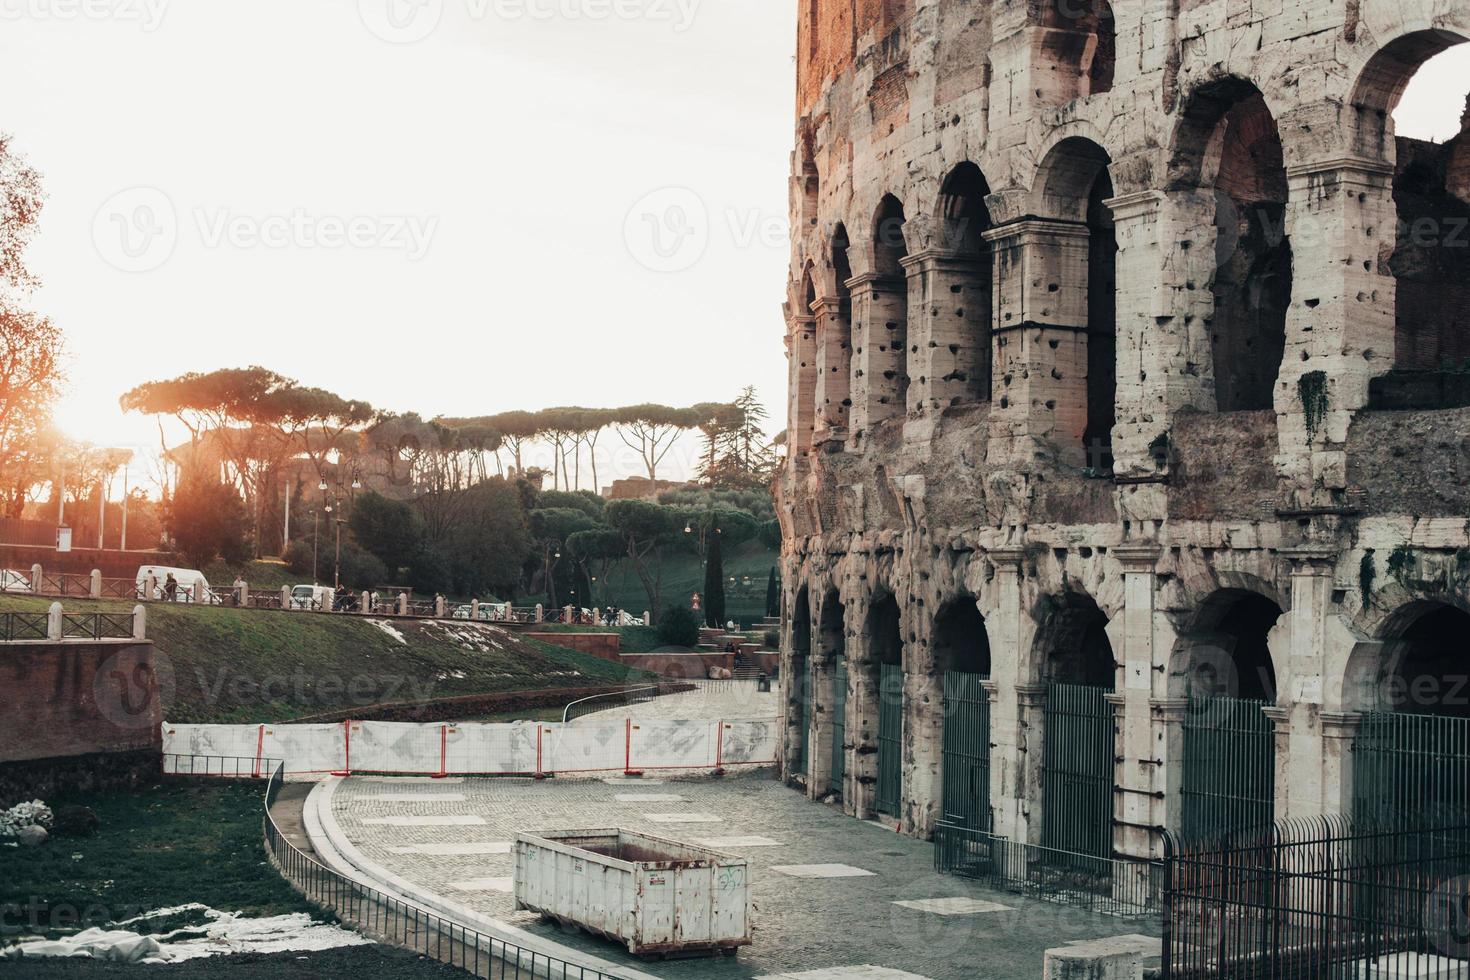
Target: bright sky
point(435, 205)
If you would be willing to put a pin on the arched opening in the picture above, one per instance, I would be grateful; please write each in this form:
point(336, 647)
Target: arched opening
point(1057, 346)
point(1076, 51)
point(832, 634)
point(886, 668)
point(961, 649)
point(960, 295)
point(1077, 769)
point(798, 682)
point(1228, 779)
point(1228, 146)
point(1429, 149)
point(885, 326)
point(1412, 755)
point(834, 379)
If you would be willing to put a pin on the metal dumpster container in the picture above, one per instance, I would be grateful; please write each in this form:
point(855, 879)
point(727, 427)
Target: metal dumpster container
point(658, 897)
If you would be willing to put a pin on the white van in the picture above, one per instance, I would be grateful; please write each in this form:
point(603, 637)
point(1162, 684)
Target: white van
point(192, 585)
point(316, 598)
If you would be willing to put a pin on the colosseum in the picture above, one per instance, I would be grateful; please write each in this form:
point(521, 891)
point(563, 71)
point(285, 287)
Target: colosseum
point(1127, 489)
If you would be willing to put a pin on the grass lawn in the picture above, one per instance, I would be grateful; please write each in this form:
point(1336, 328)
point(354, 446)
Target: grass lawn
point(261, 666)
point(159, 847)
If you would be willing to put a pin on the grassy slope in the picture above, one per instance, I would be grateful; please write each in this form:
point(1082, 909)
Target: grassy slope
point(259, 666)
point(156, 848)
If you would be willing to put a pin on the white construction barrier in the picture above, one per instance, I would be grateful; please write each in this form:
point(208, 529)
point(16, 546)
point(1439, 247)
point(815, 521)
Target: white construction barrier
point(523, 748)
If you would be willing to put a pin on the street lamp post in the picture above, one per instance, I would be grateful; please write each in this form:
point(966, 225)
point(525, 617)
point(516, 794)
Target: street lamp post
point(313, 546)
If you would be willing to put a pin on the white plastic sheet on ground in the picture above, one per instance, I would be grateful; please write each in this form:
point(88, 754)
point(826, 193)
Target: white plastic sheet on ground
point(591, 745)
point(224, 933)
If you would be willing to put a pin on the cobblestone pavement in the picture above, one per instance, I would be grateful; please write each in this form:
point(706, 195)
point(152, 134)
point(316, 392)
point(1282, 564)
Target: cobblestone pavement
point(806, 918)
point(715, 700)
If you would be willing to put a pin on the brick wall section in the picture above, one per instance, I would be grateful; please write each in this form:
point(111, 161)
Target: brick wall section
point(694, 666)
point(80, 561)
point(72, 699)
point(604, 645)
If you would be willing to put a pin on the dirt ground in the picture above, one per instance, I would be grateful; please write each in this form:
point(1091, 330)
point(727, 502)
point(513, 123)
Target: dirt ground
point(351, 963)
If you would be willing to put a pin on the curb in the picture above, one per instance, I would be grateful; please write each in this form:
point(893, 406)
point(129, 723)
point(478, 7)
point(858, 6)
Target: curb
point(343, 857)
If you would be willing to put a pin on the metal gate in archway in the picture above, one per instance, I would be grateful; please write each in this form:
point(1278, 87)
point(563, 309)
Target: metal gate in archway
point(1228, 781)
point(1077, 771)
point(1411, 766)
point(967, 751)
point(890, 739)
point(803, 677)
point(839, 722)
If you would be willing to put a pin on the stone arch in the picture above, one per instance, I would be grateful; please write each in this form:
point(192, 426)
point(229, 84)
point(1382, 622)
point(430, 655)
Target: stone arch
point(958, 275)
point(1073, 184)
point(1224, 650)
point(1227, 149)
point(1421, 665)
point(834, 339)
point(795, 684)
point(885, 631)
point(1071, 643)
point(959, 640)
point(1431, 281)
point(880, 320)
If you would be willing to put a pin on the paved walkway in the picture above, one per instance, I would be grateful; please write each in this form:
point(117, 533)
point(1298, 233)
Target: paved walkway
point(830, 893)
point(715, 700)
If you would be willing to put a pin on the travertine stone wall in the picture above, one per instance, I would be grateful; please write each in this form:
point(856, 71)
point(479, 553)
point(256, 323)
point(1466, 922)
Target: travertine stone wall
point(941, 382)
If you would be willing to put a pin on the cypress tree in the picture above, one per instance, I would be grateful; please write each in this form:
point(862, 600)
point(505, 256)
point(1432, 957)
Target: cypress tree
point(773, 595)
point(714, 584)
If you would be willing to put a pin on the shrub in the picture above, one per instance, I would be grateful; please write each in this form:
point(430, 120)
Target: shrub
point(678, 627)
point(772, 640)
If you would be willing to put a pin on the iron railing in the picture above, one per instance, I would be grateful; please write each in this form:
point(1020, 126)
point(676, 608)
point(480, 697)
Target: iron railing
point(120, 588)
point(967, 751)
point(375, 914)
point(23, 626)
point(1107, 885)
point(1325, 897)
point(1407, 764)
point(839, 724)
point(890, 738)
point(1077, 771)
point(97, 626)
point(801, 673)
point(600, 702)
point(1229, 775)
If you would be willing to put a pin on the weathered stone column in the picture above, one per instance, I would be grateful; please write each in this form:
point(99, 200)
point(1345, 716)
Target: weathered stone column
point(1140, 805)
point(1341, 219)
point(1301, 764)
point(879, 329)
point(801, 353)
point(833, 367)
point(923, 735)
point(1339, 729)
point(1168, 728)
point(1008, 721)
point(949, 324)
point(862, 717)
point(1039, 388)
point(1165, 263)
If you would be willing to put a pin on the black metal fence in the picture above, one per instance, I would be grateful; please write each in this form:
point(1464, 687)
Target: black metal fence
point(1320, 898)
point(376, 915)
point(1114, 887)
point(18, 627)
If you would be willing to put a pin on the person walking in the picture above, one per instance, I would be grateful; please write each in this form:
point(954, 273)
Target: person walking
point(170, 587)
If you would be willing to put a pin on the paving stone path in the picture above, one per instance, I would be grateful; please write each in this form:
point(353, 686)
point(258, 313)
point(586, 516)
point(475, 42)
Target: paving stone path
point(835, 898)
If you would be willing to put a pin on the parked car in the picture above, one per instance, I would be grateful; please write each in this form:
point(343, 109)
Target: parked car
point(191, 585)
point(490, 612)
point(314, 598)
point(13, 581)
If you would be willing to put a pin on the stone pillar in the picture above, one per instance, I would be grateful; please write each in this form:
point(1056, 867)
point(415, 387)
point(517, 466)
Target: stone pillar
point(801, 352)
point(879, 332)
point(1039, 388)
point(1341, 219)
point(242, 594)
point(403, 603)
point(949, 330)
point(1009, 719)
point(1139, 776)
point(1302, 769)
point(819, 737)
point(475, 610)
point(55, 622)
point(440, 607)
point(541, 615)
point(833, 367)
point(1168, 728)
point(36, 580)
point(140, 623)
point(1165, 264)
point(94, 586)
point(923, 736)
point(862, 717)
point(1339, 728)
point(285, 596)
